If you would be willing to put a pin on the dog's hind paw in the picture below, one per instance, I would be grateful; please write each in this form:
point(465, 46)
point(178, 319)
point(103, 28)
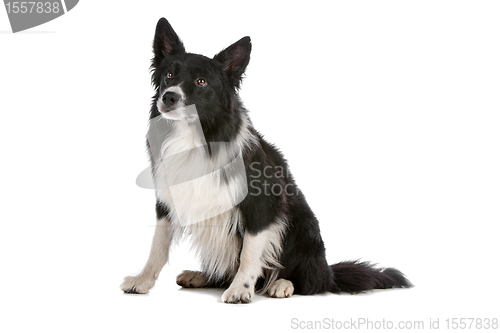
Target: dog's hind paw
point(281, 288)
point(137, 285)
point(191, 279)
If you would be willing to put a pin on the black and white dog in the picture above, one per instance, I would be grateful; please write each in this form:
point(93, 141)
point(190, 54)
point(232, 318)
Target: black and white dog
point(220, 182)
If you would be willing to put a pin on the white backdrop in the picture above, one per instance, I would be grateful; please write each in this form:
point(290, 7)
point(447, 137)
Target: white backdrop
point(387, 111)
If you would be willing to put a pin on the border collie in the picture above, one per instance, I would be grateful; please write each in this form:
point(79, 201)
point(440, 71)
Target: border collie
point(217, 180)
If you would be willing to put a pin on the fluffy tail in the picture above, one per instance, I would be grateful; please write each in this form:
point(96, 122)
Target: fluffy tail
point(356, 276)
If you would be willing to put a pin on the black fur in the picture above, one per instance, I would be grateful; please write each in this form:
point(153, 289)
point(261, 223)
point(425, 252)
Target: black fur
point(221, 111)
point(161, 210)
point(356, 276)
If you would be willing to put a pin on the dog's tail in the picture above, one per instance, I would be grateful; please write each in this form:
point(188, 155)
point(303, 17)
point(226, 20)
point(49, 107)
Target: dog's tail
point(357, 276)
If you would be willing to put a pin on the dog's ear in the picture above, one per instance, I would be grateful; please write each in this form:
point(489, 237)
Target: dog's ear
point(234, 60)
point(166, 42)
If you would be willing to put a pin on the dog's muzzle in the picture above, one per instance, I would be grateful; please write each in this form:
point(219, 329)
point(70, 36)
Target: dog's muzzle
point(171, 99)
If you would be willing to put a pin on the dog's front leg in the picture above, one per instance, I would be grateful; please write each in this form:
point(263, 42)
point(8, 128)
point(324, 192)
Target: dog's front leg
point(242, 289)
point(158, 257)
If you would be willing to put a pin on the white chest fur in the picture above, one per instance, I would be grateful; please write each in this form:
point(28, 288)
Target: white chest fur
point(200, 199)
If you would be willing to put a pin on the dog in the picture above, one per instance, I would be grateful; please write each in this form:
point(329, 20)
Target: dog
point(219, 181)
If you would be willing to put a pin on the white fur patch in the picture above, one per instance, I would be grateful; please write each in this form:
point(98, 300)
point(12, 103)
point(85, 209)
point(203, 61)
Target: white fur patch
point(217, 242)
point(177, 89)
point(194, 185)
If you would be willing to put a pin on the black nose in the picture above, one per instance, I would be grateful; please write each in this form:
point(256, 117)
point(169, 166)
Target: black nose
point(170, 98)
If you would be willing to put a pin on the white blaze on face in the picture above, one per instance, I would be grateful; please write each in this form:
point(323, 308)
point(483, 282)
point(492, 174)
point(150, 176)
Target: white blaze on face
point(180, 112)
point(177, 89)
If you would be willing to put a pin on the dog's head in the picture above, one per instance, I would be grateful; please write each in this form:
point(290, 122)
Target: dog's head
point(182, 79)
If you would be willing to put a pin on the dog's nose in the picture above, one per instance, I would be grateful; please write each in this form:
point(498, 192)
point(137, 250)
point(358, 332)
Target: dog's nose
point(170, 98)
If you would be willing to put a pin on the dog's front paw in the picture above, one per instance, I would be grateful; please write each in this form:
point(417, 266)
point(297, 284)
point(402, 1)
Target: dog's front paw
point(238, 294)
point(137, 284)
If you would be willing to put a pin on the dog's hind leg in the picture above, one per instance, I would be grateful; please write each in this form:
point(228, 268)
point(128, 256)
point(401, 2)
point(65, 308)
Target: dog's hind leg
point(158, 257)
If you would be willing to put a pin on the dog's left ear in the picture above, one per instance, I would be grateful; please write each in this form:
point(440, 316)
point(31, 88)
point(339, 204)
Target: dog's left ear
point(235, 59)
point(166, 42)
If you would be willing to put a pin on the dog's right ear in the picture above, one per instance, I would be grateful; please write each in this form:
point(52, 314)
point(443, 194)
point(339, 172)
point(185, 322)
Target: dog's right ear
point(166, 42)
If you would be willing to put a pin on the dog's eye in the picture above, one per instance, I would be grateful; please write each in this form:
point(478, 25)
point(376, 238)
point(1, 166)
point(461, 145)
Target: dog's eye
point(170, 75)
point(201, 82)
